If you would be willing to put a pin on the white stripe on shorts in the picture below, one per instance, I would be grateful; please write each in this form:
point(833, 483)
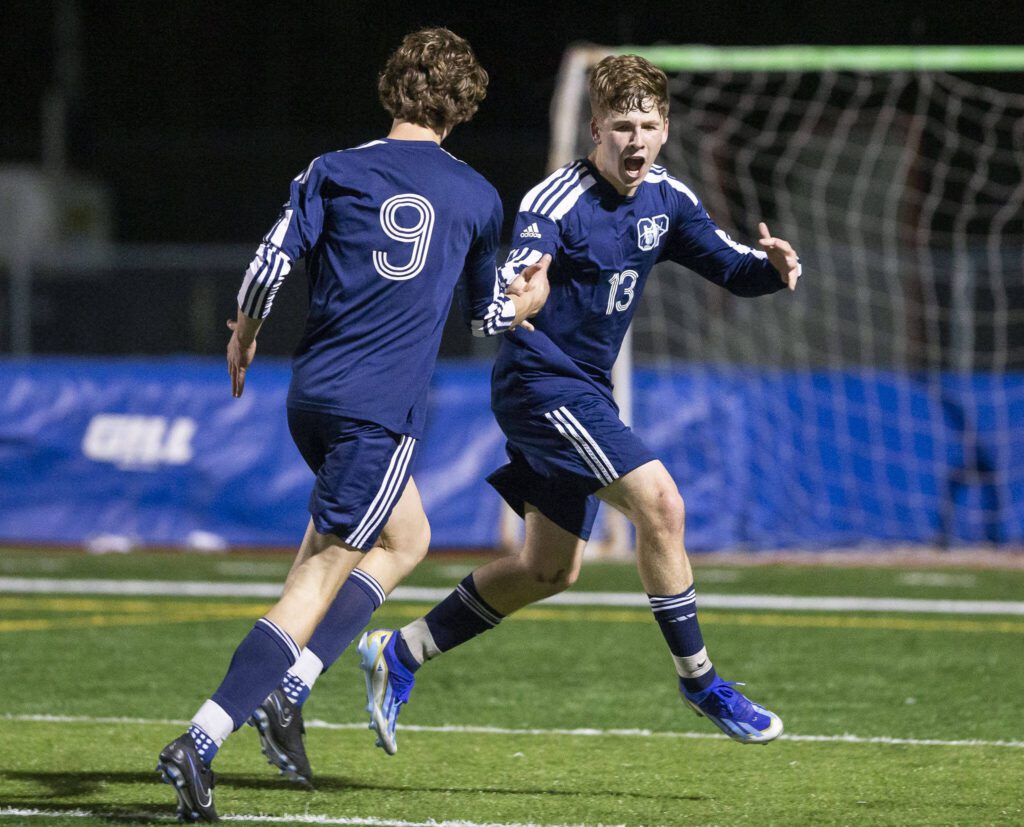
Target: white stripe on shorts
point(557, 418)
point(386, 494)
point(586, 446)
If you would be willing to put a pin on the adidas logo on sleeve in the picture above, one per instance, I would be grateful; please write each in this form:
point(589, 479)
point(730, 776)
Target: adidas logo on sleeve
point(531, 232)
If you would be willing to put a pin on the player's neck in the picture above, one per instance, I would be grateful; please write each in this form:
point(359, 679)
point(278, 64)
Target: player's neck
point(405, 131)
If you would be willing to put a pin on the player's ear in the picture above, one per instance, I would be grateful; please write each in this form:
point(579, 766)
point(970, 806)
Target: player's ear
point(595, 133)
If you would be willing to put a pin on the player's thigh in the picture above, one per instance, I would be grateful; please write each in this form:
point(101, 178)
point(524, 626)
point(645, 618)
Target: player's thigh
point(408, 525)
point(647, 495)
point(402, 544)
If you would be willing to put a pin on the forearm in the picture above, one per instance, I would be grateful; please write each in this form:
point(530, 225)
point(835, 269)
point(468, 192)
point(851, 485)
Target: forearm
point(246, 328)
point(262, 279)
point(507, 312)
point(757, 277)
point(709, 251)
point(499, 316)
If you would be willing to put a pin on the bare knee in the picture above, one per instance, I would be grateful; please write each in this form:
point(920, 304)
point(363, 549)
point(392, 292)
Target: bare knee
point(415, 546)
point(550, 559)
point(550, 578)
point(664, 512)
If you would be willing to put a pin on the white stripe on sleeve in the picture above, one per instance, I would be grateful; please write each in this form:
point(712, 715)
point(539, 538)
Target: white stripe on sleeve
point(262, 280)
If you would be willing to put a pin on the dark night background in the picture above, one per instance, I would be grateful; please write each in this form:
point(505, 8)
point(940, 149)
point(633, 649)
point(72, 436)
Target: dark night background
point(196, 115)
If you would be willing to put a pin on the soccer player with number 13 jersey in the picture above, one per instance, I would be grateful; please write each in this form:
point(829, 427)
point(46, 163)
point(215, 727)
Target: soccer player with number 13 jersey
point(606, 220)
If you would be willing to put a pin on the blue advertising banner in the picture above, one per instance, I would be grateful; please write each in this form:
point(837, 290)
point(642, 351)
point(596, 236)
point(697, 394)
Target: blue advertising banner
point(156, 452)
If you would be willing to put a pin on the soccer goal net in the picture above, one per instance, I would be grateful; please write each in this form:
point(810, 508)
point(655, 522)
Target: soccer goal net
point(883, 402)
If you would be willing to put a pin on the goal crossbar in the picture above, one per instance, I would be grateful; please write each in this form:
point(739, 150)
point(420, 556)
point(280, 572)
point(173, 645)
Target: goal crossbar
point(832, 58)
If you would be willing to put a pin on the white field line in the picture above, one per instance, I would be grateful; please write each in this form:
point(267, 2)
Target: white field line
point(305, 818)
point(411, 594)
point(584, 733)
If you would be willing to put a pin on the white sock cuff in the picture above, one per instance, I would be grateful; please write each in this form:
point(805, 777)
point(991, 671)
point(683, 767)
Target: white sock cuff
point(307, 667)
point(693, 666)
point(419, 640)
point(214, 721)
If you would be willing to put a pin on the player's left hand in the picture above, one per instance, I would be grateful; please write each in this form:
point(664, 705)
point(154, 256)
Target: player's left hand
point(781, 255)
point(239, 359)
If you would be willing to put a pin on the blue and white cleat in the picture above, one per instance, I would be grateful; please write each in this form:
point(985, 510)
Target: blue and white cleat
point(388, 684)
point(737, 716)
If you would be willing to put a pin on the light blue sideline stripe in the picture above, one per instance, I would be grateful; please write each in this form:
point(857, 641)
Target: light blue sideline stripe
point(416, 594)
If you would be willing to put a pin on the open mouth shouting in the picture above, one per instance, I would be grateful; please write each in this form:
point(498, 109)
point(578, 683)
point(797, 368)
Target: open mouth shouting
point(634, 165)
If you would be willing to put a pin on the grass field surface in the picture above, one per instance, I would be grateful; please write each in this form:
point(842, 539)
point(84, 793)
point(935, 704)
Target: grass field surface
point(564, 715)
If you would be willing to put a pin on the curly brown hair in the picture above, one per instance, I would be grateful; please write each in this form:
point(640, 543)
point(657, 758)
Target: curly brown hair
point(433, 79)
point(620, 83)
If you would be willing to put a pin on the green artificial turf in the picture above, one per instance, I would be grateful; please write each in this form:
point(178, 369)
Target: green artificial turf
point(644, 760)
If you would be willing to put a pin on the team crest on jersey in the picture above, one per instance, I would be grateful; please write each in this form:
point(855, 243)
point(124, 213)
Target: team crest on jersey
point(650, 230)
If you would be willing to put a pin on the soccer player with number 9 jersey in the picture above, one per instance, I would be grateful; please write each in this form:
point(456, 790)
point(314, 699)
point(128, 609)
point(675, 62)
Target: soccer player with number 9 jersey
point(386, 229)
point(605, 220)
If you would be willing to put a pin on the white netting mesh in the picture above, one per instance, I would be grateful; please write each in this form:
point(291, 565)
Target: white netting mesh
point(885, 400)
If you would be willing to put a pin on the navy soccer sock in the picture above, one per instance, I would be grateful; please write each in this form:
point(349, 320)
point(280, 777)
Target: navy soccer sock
point(677, 616)
point(359, 597)
point(260, 660)
point(461, 616)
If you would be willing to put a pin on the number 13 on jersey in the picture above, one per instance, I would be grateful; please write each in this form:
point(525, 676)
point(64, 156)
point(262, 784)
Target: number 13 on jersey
point(627, 281)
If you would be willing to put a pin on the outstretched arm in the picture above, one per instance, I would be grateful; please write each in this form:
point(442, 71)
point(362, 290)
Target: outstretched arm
point(696, 242)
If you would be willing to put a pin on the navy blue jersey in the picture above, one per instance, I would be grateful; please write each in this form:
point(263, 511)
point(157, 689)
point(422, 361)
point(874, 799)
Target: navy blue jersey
point(603, 247)
point(386, 229)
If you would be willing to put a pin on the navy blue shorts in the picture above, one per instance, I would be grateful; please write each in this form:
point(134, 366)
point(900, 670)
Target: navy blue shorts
point(361, 471)
point(559, 458)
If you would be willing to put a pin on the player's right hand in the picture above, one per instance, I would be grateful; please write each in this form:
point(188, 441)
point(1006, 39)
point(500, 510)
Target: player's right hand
point(532, 283)
point(239, 359)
